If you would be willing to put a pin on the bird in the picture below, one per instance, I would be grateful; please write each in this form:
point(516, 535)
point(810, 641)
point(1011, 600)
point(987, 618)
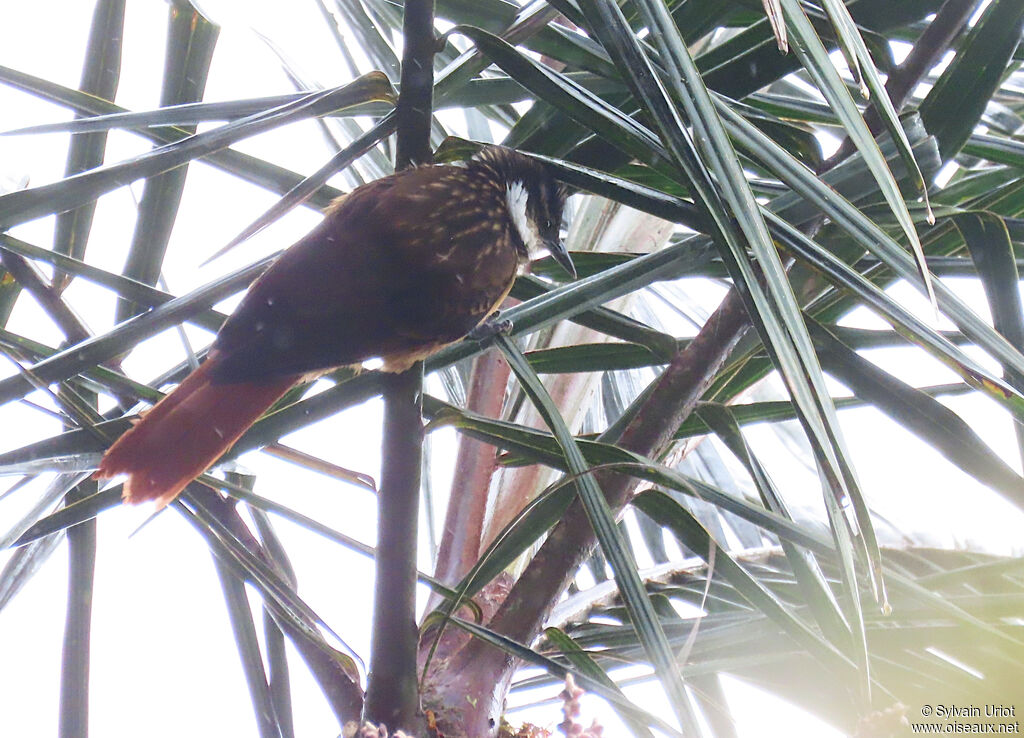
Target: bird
point(398, 269)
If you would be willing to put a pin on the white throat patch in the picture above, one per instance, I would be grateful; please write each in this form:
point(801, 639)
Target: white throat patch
point(516, 196)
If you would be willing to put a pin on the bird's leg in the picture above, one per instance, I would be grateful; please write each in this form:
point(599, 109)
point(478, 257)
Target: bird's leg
point(490, 327)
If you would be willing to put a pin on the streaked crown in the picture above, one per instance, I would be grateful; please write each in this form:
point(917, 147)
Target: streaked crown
point(535, 199)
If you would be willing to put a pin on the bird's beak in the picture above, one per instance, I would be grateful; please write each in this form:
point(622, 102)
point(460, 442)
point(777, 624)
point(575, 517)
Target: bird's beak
point(559, 253)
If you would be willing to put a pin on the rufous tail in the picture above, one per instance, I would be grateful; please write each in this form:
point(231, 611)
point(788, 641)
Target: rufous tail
point(185, 433)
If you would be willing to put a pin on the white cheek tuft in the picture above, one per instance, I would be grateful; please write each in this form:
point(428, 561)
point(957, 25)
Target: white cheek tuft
point(517, 196)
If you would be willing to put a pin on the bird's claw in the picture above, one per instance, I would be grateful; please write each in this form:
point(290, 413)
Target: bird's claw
point(490, 328)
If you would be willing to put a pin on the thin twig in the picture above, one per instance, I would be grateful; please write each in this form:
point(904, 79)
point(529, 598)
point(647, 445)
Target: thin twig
point(47, 296)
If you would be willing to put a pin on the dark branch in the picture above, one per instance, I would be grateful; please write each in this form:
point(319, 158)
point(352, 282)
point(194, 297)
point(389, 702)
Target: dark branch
point(392, 696)
point(932, 44)
point(47, 296)
point(476, 462)
point(649, 433)
point(415, 101)
point(77, 650)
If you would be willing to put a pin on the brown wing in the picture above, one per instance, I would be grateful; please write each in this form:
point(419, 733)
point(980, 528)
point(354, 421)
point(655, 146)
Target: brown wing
point(400, 266)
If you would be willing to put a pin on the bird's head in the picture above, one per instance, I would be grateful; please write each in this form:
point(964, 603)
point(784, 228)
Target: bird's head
point(535, 201)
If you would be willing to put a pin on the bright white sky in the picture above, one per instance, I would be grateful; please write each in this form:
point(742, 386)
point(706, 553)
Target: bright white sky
point(164, 658)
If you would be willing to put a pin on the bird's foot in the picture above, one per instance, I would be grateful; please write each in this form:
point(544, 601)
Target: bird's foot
point(490, 328)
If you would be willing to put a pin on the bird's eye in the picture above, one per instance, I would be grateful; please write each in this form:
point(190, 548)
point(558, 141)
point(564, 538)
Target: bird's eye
point(547, 223)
